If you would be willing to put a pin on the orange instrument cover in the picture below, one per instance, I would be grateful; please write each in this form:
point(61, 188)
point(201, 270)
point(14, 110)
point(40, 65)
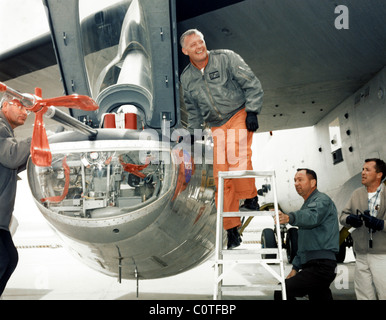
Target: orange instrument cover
point(66, 184)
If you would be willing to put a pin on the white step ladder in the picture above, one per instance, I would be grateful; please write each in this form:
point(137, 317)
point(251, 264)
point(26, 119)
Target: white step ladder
point(245, 256)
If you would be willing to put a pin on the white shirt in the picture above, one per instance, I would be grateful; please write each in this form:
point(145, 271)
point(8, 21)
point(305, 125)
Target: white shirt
point(374, 201)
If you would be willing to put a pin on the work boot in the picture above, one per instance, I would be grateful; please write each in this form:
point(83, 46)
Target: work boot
point(234, 239)
point(251, 204)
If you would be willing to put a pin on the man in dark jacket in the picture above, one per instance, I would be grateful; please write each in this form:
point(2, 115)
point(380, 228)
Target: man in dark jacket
point(13, 158)
point(221, 92)
point(318, 241)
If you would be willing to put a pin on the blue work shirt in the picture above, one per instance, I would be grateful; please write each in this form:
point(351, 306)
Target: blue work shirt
point(318, 234)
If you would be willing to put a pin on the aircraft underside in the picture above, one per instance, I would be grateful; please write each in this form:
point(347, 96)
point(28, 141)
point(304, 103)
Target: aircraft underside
point(128, 207)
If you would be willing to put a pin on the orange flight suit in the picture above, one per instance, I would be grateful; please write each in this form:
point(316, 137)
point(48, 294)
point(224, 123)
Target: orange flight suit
point(232, 151)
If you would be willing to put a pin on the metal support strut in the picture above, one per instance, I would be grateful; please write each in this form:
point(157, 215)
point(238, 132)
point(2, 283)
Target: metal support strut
point(245, 255)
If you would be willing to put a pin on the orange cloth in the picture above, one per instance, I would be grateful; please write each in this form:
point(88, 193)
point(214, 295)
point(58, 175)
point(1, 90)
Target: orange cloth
point(232, 151)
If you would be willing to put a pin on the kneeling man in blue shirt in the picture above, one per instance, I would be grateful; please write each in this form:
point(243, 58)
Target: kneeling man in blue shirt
point(314, 266)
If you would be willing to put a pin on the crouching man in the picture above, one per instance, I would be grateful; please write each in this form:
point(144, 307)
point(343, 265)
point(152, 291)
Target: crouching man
point(314, 266)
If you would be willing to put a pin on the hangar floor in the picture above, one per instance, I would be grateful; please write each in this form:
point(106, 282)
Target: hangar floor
point(47, 271)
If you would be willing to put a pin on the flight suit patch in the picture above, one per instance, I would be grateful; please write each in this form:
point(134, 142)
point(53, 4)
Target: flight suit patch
point(214, 75)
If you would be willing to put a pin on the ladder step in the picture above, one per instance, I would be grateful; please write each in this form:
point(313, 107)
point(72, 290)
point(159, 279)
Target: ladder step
point(245, 174)
point(250, 261)
point(249, 213)
point(249, 252)
point(249, 288)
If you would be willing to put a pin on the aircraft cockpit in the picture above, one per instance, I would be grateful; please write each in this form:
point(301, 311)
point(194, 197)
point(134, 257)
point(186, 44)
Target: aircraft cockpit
point(106, 179)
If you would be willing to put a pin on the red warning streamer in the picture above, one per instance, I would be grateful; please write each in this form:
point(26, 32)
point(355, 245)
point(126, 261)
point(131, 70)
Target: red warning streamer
point(40, 149)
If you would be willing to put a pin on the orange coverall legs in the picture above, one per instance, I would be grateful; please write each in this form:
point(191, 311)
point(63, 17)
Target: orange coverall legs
point(232, 151)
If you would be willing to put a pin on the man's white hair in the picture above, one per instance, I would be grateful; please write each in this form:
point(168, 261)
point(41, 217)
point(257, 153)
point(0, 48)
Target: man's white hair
point(188, 33)
point(5, 97)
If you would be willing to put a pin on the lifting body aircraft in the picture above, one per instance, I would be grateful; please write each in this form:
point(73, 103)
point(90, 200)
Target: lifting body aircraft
point(131, 205)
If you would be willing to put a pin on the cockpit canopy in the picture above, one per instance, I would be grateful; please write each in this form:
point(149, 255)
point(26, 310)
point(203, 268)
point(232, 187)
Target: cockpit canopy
point(102, 179)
